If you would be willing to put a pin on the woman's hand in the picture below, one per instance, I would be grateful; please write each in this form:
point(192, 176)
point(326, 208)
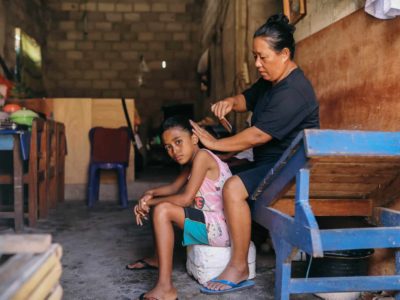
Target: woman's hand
point(140, 216)
point(204, 136)
point(223, 107)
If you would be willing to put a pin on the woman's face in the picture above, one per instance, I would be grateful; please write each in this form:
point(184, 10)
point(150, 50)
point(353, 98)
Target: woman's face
point(270, 65)
point(180, 145)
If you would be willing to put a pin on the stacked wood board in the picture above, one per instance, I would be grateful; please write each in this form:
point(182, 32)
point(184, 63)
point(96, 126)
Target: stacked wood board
point(30, 267)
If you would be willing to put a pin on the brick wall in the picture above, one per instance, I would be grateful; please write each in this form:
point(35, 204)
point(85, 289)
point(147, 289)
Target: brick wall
point(94, 50)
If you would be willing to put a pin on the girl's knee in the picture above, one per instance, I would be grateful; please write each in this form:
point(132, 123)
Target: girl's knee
point(234, 189)
point(161, 210)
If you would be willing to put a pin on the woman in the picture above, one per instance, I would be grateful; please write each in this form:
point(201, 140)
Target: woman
point(283, 103)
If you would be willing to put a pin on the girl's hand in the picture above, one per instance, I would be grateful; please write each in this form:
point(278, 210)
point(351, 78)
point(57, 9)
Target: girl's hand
point(143, 205)
point(204, 136)
point(140, 216)
point(223, 107)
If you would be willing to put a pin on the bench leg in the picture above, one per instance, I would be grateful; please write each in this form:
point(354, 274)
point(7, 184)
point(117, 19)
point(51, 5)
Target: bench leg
point(397, 257)
point(283, 268)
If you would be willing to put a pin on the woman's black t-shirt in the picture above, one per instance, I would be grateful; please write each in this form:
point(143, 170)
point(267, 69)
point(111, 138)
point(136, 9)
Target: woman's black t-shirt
point(282, 111)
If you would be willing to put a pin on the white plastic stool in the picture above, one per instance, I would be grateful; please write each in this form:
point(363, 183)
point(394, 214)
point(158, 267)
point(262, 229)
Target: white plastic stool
point(205, 262)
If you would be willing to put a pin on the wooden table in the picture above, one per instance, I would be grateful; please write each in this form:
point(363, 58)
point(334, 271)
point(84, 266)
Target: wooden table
point(11, 142)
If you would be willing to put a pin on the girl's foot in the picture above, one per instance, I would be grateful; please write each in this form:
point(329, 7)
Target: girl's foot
point(160, 293)
point(143, 264)
point(231, 273)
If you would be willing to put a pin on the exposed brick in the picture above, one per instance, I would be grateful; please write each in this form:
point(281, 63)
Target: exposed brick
point(172, 84)
point(139, 26)
point(167, 17)
point(163, 36)
point(85, 45)
point(132, 17)
point(145, 36)
point(90, 74)
point(118, 85)
point(109, 74)
point(66, 25)
point(177, 7)
point(118, 66)
point(112, 36)
point(114, 17)
point(106, 7)
point(69, 6)
point(174, 45)
point(75, 35)
point(96, 17)
point(103, 46)
point(89, 6)
point(106, 26)
point(129, 36)
point(138, 46)
point(66, 45)
point(174, 26)
point(159, 7)
point(129, 55)
point(141, 7)
point(101, 65)
point(101, 84)
point(75, 55)
point(111, 94)
point(83, 84)
point(157, 46)
point(156, 26)
point(121, 46)
point(123, 7)
point(180, 36)
point(94, 36)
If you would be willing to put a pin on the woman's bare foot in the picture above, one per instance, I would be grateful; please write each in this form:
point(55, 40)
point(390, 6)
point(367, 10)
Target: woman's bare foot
point(161, 292)
point(231, 273)
point(144, 263)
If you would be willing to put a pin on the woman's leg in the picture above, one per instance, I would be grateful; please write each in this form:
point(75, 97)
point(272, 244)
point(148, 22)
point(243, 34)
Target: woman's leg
point(165, 214)
point(237, 214)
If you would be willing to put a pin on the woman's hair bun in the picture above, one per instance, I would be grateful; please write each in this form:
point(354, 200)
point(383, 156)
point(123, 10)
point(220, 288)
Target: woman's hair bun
point(282, 20)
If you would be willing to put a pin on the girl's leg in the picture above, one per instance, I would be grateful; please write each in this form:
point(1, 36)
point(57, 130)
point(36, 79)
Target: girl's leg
point(165, 214)
point(237, 213)
point(150, 260)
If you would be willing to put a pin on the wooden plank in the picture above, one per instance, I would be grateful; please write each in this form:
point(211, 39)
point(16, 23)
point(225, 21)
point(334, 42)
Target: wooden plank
point(387, 194)
point(357, 159)
point(76, 114)
point(329, 207)
point(7, 269)
point(350, 178)
point(47, 284)
point(351, 142)
point(56, 294)
point(330, 194)
point(343, 187)
point(25, 278)
point(354, 168)
point(24, 243)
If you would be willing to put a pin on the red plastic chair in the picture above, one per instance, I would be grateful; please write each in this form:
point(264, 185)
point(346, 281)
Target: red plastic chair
point(110, 149)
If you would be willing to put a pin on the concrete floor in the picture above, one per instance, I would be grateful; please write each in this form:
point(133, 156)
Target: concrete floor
point(98, 243)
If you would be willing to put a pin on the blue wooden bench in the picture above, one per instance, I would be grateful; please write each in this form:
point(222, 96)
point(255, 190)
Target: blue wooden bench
point(332, 173)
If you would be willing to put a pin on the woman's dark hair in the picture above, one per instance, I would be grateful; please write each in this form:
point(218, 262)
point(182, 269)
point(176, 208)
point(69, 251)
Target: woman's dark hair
point(176, 121)
point(279, 33)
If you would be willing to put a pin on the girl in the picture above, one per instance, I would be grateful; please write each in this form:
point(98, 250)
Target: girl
point(193, 202)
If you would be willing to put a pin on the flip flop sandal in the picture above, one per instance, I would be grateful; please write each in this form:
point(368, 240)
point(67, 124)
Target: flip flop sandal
point(245, 284)
point(143, 297)
point(146, 266)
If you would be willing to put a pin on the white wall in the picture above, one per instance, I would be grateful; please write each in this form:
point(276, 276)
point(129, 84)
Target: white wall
point(322, 13)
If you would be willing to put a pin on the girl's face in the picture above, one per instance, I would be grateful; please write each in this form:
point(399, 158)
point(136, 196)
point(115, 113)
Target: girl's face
point(270, 64)
point(181, 145)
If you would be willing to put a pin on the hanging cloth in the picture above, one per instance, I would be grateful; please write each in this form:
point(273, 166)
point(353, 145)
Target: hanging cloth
point(383, 9)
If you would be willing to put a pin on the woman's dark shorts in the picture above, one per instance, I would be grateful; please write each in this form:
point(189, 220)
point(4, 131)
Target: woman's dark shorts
point(251, 178)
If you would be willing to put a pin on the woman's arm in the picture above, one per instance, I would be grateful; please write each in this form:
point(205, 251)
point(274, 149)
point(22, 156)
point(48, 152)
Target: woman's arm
point(171, 188)
point(222, 108)
point(201, 164)
point(248, 138)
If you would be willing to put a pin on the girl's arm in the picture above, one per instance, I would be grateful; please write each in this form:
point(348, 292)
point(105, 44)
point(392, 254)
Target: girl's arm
point(171, 188)
point(202, 163)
